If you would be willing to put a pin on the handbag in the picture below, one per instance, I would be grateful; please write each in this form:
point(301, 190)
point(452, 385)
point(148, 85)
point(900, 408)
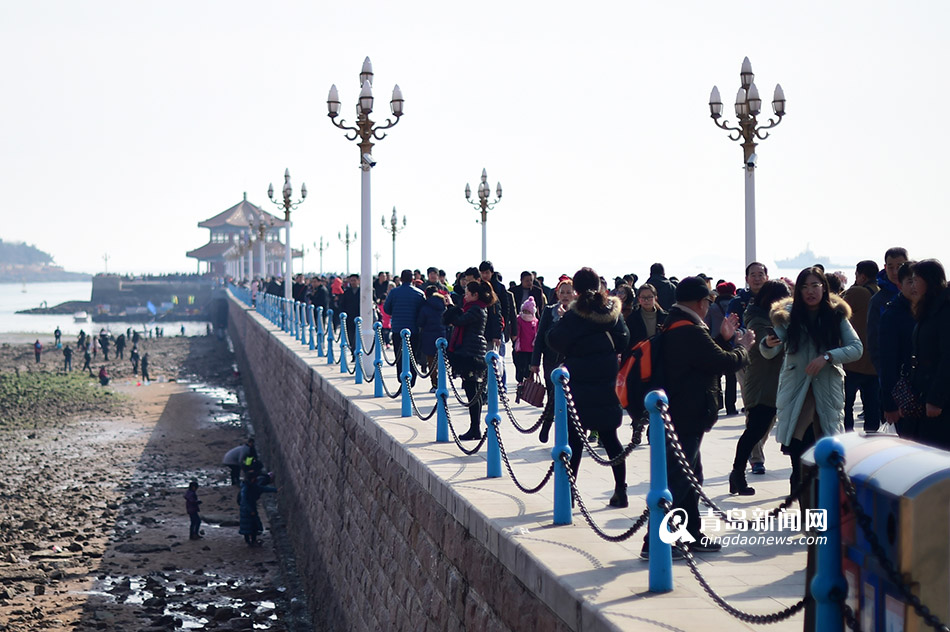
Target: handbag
point(531, 390)
point(910, 403)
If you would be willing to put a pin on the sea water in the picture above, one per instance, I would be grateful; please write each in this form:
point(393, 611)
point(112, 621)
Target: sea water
point(18, 296)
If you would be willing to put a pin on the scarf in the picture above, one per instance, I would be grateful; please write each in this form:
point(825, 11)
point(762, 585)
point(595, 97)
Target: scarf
point(459, 332)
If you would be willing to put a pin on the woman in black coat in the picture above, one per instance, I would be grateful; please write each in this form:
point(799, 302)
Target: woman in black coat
point(431, 328)
point(931, 344)
point(589, 336)
point(467, 348)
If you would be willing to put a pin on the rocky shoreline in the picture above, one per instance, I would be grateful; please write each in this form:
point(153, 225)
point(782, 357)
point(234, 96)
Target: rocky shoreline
point(93, 531)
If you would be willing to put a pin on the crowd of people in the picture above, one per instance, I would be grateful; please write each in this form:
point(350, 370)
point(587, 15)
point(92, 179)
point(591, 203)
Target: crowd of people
point(90, 346)
point(799, 351)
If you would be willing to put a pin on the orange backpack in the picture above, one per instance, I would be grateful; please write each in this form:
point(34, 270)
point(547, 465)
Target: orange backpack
point(637, 372)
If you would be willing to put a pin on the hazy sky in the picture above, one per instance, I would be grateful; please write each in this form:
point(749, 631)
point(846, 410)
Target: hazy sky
point(124, 124)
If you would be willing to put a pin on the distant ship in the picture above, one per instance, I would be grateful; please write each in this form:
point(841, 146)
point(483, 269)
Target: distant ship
point(80, 317)
point(804, 259)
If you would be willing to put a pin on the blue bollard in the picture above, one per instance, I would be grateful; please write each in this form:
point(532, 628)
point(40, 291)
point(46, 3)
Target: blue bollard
point(441, 394)
point(319, 332)
point(304, 323)
point(310, 313)
point(562, 485)
point(284, 315)
point(378, 361)
point(297, 323)
point(661, 553)
point(358, 350)
point(493, 452)
point(406, 375)
point(329, 336)
point(828, 586)
point(344, 345)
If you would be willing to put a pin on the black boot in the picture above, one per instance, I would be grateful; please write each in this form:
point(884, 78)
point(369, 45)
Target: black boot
point(548, 421)
point(473, 434)
point(619, 499)
point(738, 484)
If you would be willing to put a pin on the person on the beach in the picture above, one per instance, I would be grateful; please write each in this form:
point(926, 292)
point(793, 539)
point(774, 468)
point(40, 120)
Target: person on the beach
point(103, 376)
point(58, 335)
point(37, 349)
point(191, 506)
point(134, 357)
point(250, 521)
point(86, 358)
point(67, 358)
point(145, 376)
point(234, 459)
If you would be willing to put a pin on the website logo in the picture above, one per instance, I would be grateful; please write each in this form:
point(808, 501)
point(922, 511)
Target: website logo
point(673, 527)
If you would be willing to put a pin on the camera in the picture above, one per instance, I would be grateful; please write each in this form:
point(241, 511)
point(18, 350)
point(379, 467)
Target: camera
point(368, 159)
point(751, 162)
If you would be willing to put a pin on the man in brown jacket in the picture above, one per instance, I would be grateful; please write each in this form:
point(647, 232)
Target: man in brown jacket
point(860, 375)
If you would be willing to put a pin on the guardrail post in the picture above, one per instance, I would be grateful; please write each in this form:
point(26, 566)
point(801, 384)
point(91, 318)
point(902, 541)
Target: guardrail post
point(661, 553)
point(493, 452)
point(405, 374)
point(304, 323)
point(828, 586)
point(310, 313)
point(378, 360)
point(358, 350)
point(562, 484)
point(344, 345)
point(441, 394)
point(297, 323)
point(330, 336)
point(284, 315)
point(320, 332)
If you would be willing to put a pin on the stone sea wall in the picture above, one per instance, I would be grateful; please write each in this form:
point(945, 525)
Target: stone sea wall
point(377, 536)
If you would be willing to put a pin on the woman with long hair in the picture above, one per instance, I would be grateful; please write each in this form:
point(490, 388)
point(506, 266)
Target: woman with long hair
point(931, 349)
point(813, 330)
point(760, 385)
point(467, 348)
point(589, 335)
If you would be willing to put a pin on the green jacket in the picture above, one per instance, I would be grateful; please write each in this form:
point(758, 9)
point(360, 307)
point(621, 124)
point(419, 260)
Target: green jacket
point(828, 385)
point(760, 383)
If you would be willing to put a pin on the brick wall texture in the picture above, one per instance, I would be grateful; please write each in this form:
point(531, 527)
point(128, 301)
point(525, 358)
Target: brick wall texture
point(376, 549)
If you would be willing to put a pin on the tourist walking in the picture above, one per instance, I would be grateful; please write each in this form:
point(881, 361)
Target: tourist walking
point(86, 360)
point(431, 328)
point(526, 331)
point(403, 304)
point(120, 347)
point(145, 377)
point(861, 374)
point(67, 359)
point(467, 348)
point(250, 525)
point(761, 384)
point(134, 358)
point(589, 336)
point(191, 507)
point(931, 351)
point(58, 335)
point(543, 357)
point(691, 362)
point(813, 332)
point(895, 349)
point(37, 349)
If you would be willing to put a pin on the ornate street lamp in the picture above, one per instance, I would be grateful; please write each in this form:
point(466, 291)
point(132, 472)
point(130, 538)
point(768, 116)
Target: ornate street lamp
point(347, 241)
point(288, 205)
point(394, 229)
point(484, 192)
point(365, 131)
point(748, 108)
point(261, 225)
point(320, 249)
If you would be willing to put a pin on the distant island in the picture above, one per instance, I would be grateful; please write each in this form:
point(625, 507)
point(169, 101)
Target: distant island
point(23, 263)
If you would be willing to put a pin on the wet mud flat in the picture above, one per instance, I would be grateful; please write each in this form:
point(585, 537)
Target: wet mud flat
point(93, 528)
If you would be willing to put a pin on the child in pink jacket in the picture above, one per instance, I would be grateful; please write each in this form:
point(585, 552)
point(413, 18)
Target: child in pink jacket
point(527, 330)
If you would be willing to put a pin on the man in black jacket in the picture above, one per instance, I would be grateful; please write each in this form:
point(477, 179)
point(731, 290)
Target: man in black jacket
point(691, 362)
point(665, 290)
point(350, 305)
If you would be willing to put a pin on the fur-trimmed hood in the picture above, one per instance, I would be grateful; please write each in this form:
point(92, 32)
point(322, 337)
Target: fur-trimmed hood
point(781, 313)
point(609, 317)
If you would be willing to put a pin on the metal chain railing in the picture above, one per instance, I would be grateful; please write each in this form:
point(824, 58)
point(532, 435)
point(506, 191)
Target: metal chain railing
point(412, 361)
point(892, 574)
point(478, 394)
point(626, 535)
point(385, 357)
point(680, 456)
point(389, 394)
point(511, 472)
point(576, 422)
point(720, 601)
point(503, 398)
point(469, 452)
point(412, 400)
